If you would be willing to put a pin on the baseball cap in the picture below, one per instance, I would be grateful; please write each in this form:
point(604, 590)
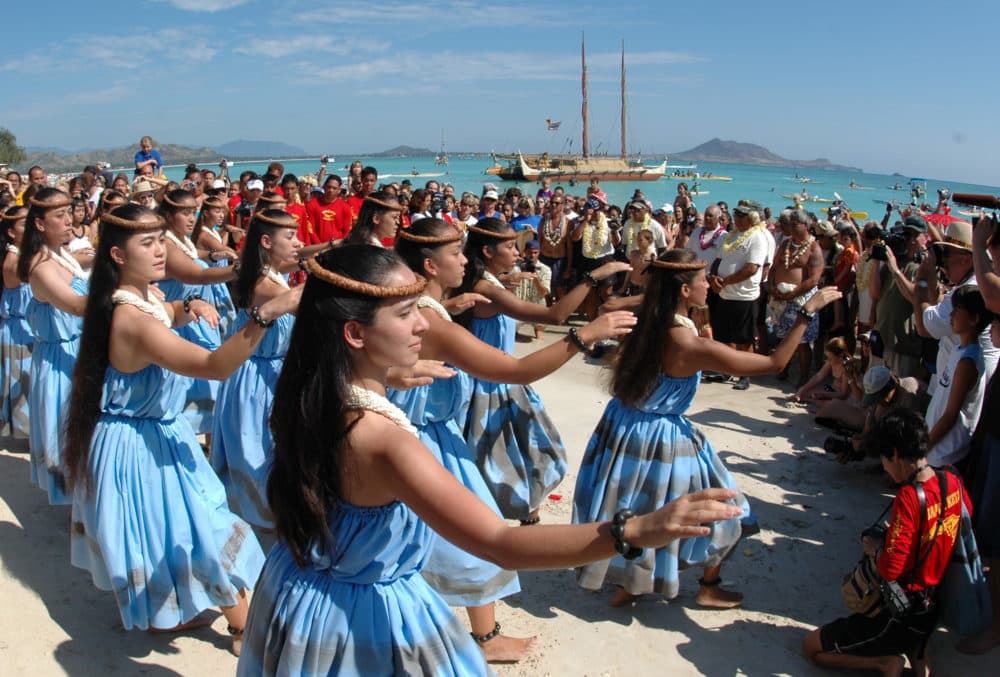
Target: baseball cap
point(915, 223)
point(491, 195)
point(745, 207)
point(255, 184)
point(877, 383)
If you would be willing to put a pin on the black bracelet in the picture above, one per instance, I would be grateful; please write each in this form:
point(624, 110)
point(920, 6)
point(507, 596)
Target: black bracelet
point(591, 279)
point(255, 316)
point(211, 255)
point(805, 314)
point(237, 264)
point(302, 264)
point(618, 531)
point(189, 299)
point(332, 243)
point(574, 337)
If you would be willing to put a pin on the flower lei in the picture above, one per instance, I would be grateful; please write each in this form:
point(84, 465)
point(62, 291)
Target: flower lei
point(791, 256)
point(275, 278)
point(729, 244)
point(553, 237)
point(66, 260)
point(716, 234)
point(184, 245)
point(633, 230)
point(595, 236)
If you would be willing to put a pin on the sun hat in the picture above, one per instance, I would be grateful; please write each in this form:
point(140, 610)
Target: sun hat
point(638, 204)
point(824, 228)
point(877, 383)
point(141, 187)
point(957, 236)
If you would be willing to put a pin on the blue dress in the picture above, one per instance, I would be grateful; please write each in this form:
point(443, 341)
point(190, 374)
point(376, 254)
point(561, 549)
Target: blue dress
point(461, 578)
point(201, 395)
point(516, 445)
point(241, 435)
point(641, 458)
point(153, 526)
point(16, 341)
point(359, 608)
point(57, 341)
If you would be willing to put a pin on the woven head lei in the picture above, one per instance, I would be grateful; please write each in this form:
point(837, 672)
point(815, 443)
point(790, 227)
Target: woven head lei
point(364, 288)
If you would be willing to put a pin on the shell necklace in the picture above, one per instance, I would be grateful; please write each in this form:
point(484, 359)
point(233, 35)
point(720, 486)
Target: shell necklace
point(595, 236)
point(125, 297)
point(432, 303)
point(184, 245)
point(733, 241)
point(211, 231)
point(66, 261)
point(684, 321)
point(12, 248)
point(792, 255)
point(362, 398)
point(553, 236)
point(276, 278)
point(492, 279)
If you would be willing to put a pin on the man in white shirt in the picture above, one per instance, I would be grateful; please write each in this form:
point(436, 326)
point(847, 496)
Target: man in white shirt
point(706, 241)
point(742, 257)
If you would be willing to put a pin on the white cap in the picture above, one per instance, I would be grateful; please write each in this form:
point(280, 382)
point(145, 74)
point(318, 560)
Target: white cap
point(255, 184)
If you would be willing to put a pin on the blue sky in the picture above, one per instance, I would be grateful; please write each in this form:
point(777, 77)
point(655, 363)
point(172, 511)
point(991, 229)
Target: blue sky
point(887, 86)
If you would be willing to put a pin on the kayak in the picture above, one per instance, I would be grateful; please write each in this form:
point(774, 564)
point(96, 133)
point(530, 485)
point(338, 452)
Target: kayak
point(854, 215)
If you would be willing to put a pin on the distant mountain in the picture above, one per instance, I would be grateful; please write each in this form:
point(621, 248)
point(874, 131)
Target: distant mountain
point(404, 151)
point(54, 160)
point(242, 148)
point(718, 150)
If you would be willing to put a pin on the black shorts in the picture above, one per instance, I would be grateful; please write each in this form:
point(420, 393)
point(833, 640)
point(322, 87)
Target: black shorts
point(558, 267)
point(883, 635)
point(734, 321)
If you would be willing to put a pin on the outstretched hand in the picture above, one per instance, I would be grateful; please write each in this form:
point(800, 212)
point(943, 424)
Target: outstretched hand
point(422, 373)
point(457, 305)
point(609, 325)
point(683, 517)
point(201, 310)
point(821, 299)
point(609, 269)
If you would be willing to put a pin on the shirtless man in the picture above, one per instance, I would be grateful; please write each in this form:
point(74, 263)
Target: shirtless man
point(795, 274)
point(553, 235)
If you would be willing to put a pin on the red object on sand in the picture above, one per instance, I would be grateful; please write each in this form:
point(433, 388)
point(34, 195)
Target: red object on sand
point(555, 497)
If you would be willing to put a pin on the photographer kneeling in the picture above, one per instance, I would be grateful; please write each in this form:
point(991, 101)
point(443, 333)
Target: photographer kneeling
point(911, 556)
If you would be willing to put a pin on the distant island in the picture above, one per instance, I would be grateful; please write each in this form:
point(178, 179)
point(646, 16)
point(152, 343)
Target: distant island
point(718, 150)
point(402, 151)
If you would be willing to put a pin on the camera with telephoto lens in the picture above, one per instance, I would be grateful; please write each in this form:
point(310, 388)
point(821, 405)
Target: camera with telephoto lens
point(835, 211)
point(437, 202)
point(324, 159)
point(943, 194)
point(895, 240)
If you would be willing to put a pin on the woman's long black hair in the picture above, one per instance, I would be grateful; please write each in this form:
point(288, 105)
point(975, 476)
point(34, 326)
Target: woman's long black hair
point(178, 196)
point(476, 266)
point(308, 419)
point(6, 240)
point(34, 239)
point(414, 253)
point(640, 357)
point(364, 230)
point(92, 359)
point(253, 257)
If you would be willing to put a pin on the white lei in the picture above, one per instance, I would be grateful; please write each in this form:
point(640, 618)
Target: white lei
point(595, 236)
point(276, 278)
point(12, 248)
point(211, 231)
point(492, 279)
point(729, 244)
point(790, 256)
point(185, 246)
point(682, 321)
point(362, 398)
point(553, 237)
point(428, 302)
point(67, 262)
point(125, 297)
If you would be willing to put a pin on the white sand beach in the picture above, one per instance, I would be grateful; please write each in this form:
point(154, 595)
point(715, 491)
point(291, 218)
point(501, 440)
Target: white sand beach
point(810, 508)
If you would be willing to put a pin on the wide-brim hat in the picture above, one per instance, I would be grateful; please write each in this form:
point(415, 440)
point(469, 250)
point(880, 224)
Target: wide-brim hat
point(957, 236)
point(142, 187)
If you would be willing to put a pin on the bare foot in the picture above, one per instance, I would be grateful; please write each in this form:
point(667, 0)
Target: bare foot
point(623, 598)
point(713, 596)
point(201, 620)
point(891, 666)
point(237, 644)
point(504, 649)
point(979, 644)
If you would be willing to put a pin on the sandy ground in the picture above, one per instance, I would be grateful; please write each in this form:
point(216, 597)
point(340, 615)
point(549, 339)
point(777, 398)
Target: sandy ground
point(810, 508)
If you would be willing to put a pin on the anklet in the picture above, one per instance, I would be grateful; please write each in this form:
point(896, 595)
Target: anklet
point(709, 584)
point(482, 639)
point(531, 520)
point(235, 632)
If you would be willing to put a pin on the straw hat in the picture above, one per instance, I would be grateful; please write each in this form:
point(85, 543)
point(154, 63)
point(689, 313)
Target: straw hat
point(957, 236)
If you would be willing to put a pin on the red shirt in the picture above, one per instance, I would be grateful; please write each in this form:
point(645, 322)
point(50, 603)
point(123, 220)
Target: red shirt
point(330, 221)
point(306, 231)
point(900, 555)
point(355, 201)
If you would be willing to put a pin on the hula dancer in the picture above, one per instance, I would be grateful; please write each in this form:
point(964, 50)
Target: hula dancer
point(16, 339)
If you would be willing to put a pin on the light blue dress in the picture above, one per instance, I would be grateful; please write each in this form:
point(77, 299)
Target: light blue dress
point(461, 578)
point(641, 458)
point(359, 608)
point(516, 445)
point(16, 342)
point(242, 447)
point(152, 525)
point(57, 341)
point(200, 399)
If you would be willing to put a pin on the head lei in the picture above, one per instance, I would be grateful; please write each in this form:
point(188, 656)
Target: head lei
point(489, 233)
point(364, 288)
point(383, 204)
point(54, 202)
point(289, 222)
point(19, 213)
point(681, 267)
point(454, 236)
point(145, 222)
point(178, 205)
point(214, 203)
point(271, 199)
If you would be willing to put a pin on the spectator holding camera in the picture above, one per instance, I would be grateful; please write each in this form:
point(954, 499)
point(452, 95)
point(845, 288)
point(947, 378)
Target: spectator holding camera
point(913, 552)
point(894, 308)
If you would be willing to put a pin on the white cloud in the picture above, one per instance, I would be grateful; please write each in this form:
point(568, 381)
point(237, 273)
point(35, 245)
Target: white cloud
point(206, 5)
point(276, 48)
point(442, 15)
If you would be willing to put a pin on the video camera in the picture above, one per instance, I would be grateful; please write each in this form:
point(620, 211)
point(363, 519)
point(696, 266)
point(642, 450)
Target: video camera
point(895, 240)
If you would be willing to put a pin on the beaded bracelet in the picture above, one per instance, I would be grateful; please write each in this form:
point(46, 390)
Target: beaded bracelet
point(575, 339)
point(805, 314)
point(189, 299)
point(591, 279)
point(618, 531)
point(261, 322)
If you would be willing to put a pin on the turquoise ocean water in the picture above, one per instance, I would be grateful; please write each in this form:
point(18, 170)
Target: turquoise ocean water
point(764, 184)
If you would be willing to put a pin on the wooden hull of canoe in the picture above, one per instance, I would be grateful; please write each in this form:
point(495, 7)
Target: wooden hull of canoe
point(578, 176)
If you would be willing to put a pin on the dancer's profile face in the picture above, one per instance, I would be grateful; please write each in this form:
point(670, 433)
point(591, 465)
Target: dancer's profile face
point(393, 337)
point(450, 263)
point(143, 255)
point(284, 246)
point(698, 294)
